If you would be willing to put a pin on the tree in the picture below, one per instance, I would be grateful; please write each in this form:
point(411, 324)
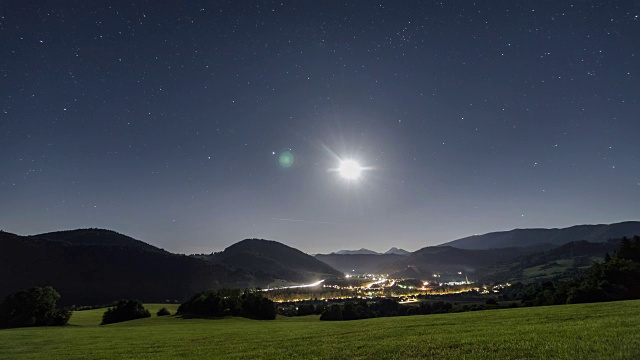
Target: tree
point(205, 304)
point(629, 249)
point(256, 306)
point(349, 311)
point(33, 307)
point(385, 307)
point(332, 313)
point(125, 310)
point(305, 310)
point(229, 302)
point(491, 302)
point(163, 312)
point(362, 310)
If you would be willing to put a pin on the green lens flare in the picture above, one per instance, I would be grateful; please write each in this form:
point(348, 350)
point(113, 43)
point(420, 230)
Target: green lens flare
point(286, 159)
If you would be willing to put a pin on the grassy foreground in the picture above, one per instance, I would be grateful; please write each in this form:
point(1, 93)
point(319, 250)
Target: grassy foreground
point(588, 331)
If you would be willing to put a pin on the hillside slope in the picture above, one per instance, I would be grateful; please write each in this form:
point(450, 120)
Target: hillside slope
point(547, 264)
point(102, 273)
point(268, 258)
point(443, 259)
point(95, 237)
point(531, 237)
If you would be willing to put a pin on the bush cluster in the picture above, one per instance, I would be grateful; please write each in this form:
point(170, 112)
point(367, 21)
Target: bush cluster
point(219, 303)
point(125, 310)
point(163, 312)
point(301, 309)
point(33, 307)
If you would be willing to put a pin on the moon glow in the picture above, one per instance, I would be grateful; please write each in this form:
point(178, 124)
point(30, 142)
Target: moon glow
point(350, 169)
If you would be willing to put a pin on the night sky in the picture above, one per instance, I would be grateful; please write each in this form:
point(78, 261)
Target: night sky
point(194, 126)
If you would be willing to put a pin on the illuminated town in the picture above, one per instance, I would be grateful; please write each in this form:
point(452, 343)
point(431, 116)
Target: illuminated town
point(372, 286)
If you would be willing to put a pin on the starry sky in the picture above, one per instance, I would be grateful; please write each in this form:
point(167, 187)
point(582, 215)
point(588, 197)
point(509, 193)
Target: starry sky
point(194, 125)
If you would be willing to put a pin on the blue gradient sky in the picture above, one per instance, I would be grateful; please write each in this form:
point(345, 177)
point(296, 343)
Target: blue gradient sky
point(165, 122)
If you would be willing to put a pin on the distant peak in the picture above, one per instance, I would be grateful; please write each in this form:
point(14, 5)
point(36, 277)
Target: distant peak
point(356, 252)
point(397, 251)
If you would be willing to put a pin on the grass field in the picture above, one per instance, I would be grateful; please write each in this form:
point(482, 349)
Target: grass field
point(589, 331)
point(547, 270)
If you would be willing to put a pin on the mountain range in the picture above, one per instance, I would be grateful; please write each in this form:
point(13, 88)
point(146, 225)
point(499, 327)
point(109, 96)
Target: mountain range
point(363, 251)
point(359, 263)
point(471, 253)
point(95, 266)
point(532, 237)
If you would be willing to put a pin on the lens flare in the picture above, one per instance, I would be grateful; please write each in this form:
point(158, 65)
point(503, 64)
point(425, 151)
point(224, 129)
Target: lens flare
point(286, 159)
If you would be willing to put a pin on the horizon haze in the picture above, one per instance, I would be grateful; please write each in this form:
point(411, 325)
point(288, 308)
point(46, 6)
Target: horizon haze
point(585, 232)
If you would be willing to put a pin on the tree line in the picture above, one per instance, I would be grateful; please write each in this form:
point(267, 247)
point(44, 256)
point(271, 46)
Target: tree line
point(615, 278)
point(229, 302)
point(37, 306)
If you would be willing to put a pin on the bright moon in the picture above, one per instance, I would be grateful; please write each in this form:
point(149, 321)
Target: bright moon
point(350, 169)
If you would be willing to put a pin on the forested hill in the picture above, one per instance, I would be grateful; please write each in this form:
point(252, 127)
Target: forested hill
point(447, 258)
point(259, 256)
point(95, 237)
point(93, 266)
point(532, 237)
point(87, 274)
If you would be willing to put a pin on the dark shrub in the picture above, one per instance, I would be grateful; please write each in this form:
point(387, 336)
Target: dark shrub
point(256, 306)
point(33, 307)
point(362, 310)
point(349, 311)
point(163, 312)
point(123, 311)
point(210, 303)
point(385, 307)
point(205, 304)
point(332, 313)
point(305, 310)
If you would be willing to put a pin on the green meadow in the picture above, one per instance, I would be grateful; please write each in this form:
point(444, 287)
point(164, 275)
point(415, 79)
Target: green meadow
point(586, 331)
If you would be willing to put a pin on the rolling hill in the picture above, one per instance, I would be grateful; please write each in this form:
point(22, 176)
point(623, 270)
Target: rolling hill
point(448, 259)
point(94, 266)
point(96, 237)
point(103, 272)
point(270, 260)
point(554, 262)
point(532, 237)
